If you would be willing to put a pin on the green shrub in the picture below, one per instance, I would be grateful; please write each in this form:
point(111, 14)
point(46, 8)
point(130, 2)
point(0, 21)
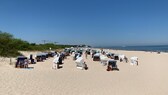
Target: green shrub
point(9, 46)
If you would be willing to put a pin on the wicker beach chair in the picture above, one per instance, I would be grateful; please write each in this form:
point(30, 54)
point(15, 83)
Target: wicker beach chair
point(20, 61)
point(81, 64)
point(112, 65)
point(103, 60)
point(96, 57)
point(134, 61)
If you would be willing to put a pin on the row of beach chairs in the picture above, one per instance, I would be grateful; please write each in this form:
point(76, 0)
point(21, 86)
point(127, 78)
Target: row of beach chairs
point(23, 61)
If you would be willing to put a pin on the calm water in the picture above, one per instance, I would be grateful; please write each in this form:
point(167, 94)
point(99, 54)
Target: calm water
point(160, 48)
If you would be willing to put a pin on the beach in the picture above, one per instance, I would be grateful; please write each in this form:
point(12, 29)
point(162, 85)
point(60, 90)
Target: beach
point(148, 78)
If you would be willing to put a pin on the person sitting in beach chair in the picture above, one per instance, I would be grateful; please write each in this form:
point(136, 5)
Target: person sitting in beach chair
point(112, 65)
point(26, 62)
point(80, 63)
point(134, 61)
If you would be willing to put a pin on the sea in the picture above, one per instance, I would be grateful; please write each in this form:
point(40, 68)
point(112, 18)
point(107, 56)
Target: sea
point(152, 48)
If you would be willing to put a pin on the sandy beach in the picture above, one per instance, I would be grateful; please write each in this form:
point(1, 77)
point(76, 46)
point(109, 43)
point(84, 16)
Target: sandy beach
point(149, 78)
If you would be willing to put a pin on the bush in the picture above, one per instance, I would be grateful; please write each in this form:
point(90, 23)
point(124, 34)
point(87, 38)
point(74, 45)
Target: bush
point(9, 46)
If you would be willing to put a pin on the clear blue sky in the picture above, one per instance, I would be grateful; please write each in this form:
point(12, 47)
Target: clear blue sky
point(93, 22)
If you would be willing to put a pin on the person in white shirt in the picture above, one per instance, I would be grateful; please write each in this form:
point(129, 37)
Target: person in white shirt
point(56, 62)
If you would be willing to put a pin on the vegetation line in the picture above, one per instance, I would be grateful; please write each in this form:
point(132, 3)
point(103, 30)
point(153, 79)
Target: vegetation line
point(9, 45)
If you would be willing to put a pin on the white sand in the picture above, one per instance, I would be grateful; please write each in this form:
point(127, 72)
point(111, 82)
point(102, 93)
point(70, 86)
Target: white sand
point(149, 78)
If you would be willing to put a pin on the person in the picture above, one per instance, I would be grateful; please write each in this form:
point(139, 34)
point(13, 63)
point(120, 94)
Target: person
point(102, 51)
point(57, 61)
point(31, 59)
point(26, 62)
point(126, 59)
point(86, 53)
point(17, 63)
point(31, 56)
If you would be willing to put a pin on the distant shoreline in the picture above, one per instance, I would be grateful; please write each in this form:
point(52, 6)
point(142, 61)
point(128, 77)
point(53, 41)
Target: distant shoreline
point(154, 48)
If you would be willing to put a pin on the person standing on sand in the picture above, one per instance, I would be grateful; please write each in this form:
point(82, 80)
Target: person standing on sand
point(56, 62)
point(86, 54)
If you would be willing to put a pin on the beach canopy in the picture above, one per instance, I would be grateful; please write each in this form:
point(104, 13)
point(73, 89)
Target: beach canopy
point(41, 54)
point(103, 57)
point(134, 58)
point(21, 58)
point(121, 56)
point(97, 54)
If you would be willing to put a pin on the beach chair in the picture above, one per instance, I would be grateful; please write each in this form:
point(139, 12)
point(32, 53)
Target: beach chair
point(116, 57)
point(51, 54)
point(88, 51)
point(39, 58)
point(134, 61)
point(123, 58)
point(20, 62)
point(44, 56)
point(110, 55)
point(80, 64)
point(103, 60)
point(75, 56)
point(67, 51)
point(112, 65)
point(96, 57)
point(93, 53)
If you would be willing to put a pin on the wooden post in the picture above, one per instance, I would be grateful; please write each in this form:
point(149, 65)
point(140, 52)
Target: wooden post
point(10, 61)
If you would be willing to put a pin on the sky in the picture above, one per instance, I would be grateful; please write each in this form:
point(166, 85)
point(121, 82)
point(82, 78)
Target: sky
point(91, 22)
